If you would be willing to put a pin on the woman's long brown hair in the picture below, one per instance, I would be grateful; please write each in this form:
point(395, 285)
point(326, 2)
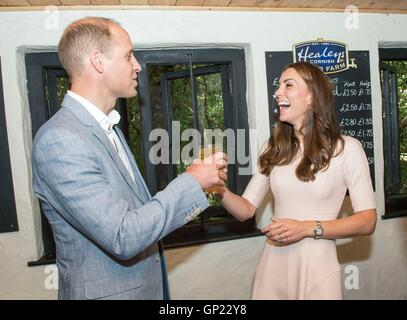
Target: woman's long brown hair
point(321, 130)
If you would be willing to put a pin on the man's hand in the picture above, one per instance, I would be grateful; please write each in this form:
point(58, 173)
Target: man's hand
point(211, 171)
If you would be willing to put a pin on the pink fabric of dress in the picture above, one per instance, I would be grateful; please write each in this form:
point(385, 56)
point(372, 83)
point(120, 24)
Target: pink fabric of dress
point(309, 269)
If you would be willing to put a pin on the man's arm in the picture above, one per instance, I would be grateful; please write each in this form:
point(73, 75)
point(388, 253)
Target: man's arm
point(68, 176)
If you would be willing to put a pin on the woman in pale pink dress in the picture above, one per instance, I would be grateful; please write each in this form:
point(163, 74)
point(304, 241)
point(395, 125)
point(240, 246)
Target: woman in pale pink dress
point(309, 166)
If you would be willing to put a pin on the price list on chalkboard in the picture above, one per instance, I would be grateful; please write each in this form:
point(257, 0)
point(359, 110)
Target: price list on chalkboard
point(352, 91)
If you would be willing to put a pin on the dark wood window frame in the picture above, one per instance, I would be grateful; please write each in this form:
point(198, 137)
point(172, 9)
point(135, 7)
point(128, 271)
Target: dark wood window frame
point(8, 211)
point(234, 59)
point(43, 67)
point(395, 205)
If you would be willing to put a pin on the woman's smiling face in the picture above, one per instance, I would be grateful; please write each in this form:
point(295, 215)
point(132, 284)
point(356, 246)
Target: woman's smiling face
point(293, 98)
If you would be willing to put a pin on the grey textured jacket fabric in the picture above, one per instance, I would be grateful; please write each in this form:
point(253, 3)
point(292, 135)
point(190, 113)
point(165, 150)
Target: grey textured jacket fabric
point(105, 225)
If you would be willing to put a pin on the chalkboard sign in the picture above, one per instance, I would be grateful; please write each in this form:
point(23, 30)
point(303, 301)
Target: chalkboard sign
point(8, 214)
point(353, 100)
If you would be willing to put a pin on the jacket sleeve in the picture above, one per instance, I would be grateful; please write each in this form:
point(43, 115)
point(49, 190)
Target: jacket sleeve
point(68, 176)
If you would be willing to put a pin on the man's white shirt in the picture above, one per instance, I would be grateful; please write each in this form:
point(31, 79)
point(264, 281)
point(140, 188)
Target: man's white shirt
point(106, 123)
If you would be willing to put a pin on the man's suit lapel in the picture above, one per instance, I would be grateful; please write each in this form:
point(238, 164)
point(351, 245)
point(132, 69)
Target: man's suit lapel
point(101, 136)
point(137, 175)
point(87, 119)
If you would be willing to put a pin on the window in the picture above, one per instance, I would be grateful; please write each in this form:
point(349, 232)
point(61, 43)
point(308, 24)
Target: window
point(393, 73)
point(197, 89)
point(8, 213)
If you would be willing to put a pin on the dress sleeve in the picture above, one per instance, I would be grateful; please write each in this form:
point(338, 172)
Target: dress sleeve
point(357, 176)
point(258, 186)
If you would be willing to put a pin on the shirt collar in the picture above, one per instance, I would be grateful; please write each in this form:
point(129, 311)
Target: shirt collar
point(106, 122)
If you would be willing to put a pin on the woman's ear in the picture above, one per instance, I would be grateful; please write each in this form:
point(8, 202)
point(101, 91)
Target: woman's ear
point(96, 59)
point(309, 101)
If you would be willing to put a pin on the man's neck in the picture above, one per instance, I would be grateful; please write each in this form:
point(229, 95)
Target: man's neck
point(94, 96)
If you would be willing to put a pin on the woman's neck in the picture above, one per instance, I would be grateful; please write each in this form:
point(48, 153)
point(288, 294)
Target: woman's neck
point(299, 135)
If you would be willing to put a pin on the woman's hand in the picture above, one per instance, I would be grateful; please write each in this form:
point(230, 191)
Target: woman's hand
point(220, 192)
point(283, 232)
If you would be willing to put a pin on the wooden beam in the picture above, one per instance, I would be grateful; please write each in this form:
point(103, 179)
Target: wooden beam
point(315, 3)
point(292, 3)
point(195, 3)
point(215, 3)
point(162, 2)
point(268, 3)
point(382, 4)
point(44, 2)
point(75, 2)
point(105, 2)
point(35, 5)
point(343, 4)
point(242, 3)
point(134, 2)
point(14, 3)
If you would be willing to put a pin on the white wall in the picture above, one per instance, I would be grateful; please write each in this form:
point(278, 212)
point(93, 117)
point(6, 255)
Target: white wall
point(219, 270)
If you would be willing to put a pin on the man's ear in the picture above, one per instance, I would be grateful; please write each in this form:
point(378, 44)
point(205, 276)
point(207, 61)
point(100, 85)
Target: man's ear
point(97, 60)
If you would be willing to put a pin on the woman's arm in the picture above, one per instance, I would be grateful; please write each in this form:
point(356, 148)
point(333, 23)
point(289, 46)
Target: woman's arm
point(239, 207)
point(288, 231)
point(243, 207)
point(363, 222)
point(359, 224)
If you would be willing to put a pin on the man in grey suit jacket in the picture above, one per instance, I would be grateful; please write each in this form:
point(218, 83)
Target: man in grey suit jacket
point(106, 225)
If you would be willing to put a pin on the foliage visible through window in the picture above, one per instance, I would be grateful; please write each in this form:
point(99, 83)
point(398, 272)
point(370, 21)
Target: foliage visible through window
point(179, 97)
point(400, 68)
point(135, 136)
point(393, 76)
point(198, 89)
point(63, 85)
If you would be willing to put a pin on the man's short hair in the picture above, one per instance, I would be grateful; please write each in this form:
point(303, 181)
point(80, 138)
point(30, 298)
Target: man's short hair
point(80, 38)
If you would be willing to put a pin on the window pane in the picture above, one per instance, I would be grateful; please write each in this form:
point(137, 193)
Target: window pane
point(155, 73)
point(401, 71)
point(211, 110)
point(171, 84)
point(134, 118)
point(210, 101)
point(182, 108)
point(63, 85)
